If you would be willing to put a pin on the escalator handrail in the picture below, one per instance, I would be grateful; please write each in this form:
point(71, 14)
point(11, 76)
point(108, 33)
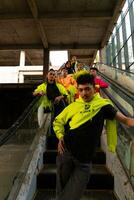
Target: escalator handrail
point(128, 131)
point(119, 86)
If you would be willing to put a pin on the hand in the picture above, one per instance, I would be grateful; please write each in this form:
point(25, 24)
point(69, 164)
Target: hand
point(61, 146)
point(97, 86)
point(58, 99)
point(41, 93)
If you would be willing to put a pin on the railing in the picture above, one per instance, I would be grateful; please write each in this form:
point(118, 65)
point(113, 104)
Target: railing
point(17, 146)
point(124, 78)
point(125, 147)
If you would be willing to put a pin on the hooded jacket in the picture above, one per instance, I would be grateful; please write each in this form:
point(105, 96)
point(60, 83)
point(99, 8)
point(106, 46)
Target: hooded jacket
point(75, 115)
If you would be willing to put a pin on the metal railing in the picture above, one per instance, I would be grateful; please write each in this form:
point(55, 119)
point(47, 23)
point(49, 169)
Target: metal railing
point(125, 146)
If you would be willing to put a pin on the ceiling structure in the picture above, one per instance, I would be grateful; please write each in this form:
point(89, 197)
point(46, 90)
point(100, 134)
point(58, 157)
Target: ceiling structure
point(79, 26)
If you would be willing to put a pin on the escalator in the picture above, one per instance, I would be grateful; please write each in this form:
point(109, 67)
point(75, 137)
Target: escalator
point(30, 153)
point(100, 186)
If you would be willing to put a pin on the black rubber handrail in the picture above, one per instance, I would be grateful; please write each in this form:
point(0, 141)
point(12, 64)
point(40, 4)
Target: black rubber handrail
point(128, 131)
point(119, 87)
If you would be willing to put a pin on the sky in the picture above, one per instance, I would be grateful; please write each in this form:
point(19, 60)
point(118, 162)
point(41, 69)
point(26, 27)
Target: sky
point(57, 58)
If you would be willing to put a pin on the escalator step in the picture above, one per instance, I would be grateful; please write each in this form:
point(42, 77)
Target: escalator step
point(100, 178)
point(50, 157)
point(88, 195)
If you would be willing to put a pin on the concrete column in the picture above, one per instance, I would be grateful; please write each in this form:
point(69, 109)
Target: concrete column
point(22, 58)
point(45, 62)
point(100, 56)
point(21, 65)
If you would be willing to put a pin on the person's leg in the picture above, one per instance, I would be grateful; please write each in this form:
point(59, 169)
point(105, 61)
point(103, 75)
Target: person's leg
point(77, 183)
point(41, 116)
point(65, 167)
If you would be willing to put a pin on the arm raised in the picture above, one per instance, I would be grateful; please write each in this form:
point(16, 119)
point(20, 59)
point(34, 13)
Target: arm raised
point(129, 121)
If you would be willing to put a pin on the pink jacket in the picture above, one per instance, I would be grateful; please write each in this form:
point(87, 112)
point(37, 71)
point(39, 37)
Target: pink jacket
point(100, 82)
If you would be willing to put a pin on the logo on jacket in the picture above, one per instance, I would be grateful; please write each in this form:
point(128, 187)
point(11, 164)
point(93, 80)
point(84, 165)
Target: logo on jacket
point(87, 107)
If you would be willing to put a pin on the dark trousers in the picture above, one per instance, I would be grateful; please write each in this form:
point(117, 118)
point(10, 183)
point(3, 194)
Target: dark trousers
point(72, 177)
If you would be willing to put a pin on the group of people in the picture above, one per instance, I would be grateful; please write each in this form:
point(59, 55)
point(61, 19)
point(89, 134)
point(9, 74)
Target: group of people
point(60, 88)
point(78, 121)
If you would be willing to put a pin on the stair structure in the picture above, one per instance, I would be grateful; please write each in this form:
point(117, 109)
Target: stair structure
point(100, 186)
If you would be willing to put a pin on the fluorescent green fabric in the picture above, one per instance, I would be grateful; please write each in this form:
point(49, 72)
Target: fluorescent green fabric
point(76, 112)
point(44, 101)
point(72, 91)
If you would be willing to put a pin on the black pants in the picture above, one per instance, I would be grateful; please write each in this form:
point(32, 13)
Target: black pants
point(72, 177)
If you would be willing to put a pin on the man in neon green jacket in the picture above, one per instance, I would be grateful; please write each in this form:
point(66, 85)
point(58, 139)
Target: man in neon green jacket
point(53, 97)
point(78, 128)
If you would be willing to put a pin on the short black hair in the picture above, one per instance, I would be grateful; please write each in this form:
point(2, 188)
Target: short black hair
point(51, 69)
point(94, 68)
point(85, 78)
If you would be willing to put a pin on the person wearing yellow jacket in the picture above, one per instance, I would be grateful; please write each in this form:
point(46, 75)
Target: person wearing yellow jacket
point(53, 97)
point(78, 128)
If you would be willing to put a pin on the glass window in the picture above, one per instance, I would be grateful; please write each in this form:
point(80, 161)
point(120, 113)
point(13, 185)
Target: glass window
point(116, 60)
point(130, 51)
point(132, 68)
point(125, 7)
point(113, 51)
point(119, 20)
point(123, 58)
point(121, 36)
point(110, 51)
point(115, 42)
point(110, 39)
point(114, 31)
point(127, 22)
point(119, 61)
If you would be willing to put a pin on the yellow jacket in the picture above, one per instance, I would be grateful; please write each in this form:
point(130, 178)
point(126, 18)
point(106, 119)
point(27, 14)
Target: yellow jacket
point(75, 112)
point(44, 101)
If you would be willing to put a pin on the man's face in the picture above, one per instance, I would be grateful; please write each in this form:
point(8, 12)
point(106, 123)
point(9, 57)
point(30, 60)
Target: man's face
point(93, 72)
point(86, 91)
point(51, 76)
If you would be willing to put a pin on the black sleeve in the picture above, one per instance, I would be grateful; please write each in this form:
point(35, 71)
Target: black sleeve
point(109, 112)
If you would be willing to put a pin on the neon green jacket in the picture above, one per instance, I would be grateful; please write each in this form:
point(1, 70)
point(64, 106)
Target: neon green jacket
point(75, 112)
point(44, 101)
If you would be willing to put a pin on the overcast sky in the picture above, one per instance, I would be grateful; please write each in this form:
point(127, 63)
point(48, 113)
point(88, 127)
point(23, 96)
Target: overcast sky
point(57, 58)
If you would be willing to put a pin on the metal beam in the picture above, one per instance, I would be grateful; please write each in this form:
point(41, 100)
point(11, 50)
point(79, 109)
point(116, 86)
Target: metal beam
point(34, 10)
point(124, 33)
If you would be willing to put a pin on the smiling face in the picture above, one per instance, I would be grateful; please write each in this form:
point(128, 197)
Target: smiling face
point(86, 91)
